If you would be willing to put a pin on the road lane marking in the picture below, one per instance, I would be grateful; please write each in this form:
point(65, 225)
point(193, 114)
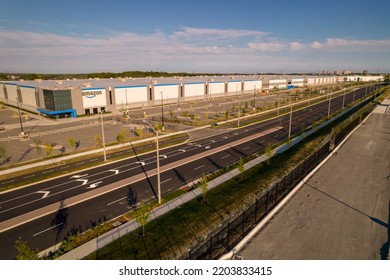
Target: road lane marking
point(51, 170)
point(108, 204)
point(80, 163)
point(196, 168)
point(47, 229)
point(29, 176)
point(167, 180)
point(225, 156)
point(246, 148)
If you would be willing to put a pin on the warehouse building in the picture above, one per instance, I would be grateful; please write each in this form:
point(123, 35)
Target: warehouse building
point(72, 98)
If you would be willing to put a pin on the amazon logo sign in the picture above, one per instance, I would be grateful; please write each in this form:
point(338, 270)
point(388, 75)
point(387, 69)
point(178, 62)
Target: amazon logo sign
point(94, 97)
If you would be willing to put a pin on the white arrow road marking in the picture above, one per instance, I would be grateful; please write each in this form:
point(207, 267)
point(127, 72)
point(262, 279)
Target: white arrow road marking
point(198, 145)
point(212, 141)
point(79, 176)
point(182, 150)
point(94, 185)
point(163, 156)
point(114, 170)
point(45, 193)
point(141, 162)
point(85, 181)
point(207, 147)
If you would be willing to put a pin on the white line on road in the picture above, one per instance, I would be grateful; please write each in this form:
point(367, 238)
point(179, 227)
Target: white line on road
point(167, 180)
point(32, 175)
point(196, 168)
point(94, 159)
point(80, 163)
point(46, 229)
point(108, 204)
point(225, 156)
point(51, 170)
point(246, 148)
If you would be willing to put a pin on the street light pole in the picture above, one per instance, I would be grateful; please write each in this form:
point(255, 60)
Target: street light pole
point(162, 111)
point(254, 97)
point(127, 107)
point(104, 143)
point(289, 126)
point(158, 170)
point(330, 98)
point(20, 118)
point(158, 163)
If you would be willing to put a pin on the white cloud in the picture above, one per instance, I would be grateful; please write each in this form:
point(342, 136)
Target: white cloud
point(188, 49)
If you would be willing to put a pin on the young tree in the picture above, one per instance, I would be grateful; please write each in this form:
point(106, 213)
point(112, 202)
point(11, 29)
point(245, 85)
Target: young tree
point(241, 168)
point(38, 146)
point(142, 217)
point(98, 140)
point(122, 136)
point(24, 252)
point(226, 115)
point(204, 187)
point(72, 143)
point(3, 154)
point(268, 152)
point(49, 150)
point(140, 132)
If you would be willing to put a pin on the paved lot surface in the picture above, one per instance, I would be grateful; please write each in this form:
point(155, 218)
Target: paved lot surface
point(343, 211)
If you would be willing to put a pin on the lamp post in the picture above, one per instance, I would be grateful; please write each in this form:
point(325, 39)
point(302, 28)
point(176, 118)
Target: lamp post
point(254, 97)
point(20, 118)
point(330, 98)
point(210, 95)
point(158, 163)
point(104, 143)
point(289, 126)
point(127, 107)
point(162, 111)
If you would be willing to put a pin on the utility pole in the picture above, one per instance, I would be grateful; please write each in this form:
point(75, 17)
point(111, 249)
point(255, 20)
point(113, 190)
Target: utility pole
point(330, 98)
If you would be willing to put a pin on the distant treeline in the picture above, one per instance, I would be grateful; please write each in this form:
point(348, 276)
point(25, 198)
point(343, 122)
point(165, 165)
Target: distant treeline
point(101, 75)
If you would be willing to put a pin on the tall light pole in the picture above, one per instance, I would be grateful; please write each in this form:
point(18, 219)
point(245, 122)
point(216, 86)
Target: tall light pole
point(20, 118)
point(127, 107)
point(254, 97)
point(162, 111)
point(103, 140)
point(289, 126)
point(344, 99)
point(158, 163)
point(330, 98)
point(239, 112)
point(210, 95)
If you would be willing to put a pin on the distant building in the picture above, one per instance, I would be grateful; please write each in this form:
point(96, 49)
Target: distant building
point(365, 72)
point(336, 72)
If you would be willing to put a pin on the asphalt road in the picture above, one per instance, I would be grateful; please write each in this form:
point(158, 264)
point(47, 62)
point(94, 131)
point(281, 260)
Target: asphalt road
point(50, 229)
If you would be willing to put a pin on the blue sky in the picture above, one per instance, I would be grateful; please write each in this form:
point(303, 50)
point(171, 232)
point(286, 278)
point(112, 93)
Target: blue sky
point(194, 36)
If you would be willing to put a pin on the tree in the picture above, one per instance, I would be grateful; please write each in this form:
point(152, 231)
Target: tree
point(268, 152)
point(204, 186)
point(226, 115)
point(241, 168)
point(140, 131)
point(122, 136)
point(24, 252)
point(49, 150)
point(72, 143)
point(98, 141)
point(38, 146)
point(3, 154)
point(142, 217)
